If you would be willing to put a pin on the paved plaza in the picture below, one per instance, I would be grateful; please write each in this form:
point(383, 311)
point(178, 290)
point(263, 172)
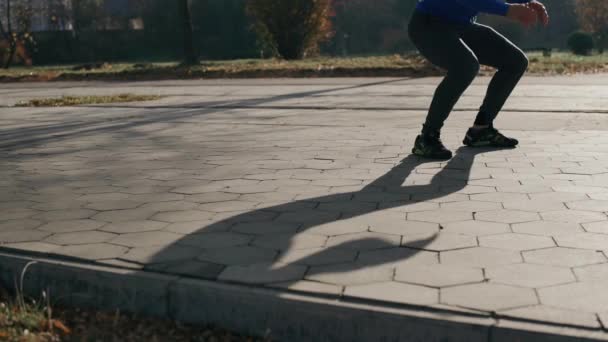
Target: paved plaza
point(309, 186)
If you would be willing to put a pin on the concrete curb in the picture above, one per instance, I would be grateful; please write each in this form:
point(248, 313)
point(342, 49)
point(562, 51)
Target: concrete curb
point(284, 316)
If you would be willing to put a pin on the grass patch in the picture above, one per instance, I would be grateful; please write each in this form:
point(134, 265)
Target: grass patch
point(559, 63)
point(67, 101)
point(27, 321)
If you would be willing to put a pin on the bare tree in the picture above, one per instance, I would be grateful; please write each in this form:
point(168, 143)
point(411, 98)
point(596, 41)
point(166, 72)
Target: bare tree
point(8, 34)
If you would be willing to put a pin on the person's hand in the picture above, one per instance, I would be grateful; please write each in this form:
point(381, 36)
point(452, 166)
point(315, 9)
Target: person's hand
point(541, 12)
point(524, 14)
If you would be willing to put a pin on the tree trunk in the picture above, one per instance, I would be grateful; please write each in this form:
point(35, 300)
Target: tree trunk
point(189, 55)
point(9, 36)
point(11, 54)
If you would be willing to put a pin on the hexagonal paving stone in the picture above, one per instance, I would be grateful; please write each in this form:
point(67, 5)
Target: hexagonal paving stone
point(215, 240)
point(480, 257)
point(364, 241)
point(155, 198)
point(524, 189)
point(439, 242)
point(241, 255)
point(440, 216)
point(447, 198)
point(111, 196)
point(212, 197)
point(289, 241)
point(189, 268)
point(534, 205)
point(590, 241)
point(12, 225)
point(589, 205)
point(39, 247)
point(123, 215)
point(546, 228)
point(597, 227)
point(567, 257)
point(93, 252)
point(412, 207)
point(168, 206)
point(309, 287)
point(399, 226)
point(227, 206)
point(201, 189)
point(160, 254)
point(134, 226)
point(339, 227)
point(317, 256)
point(71, 226)
point(476, 228)
point(472, 206)
point(265, 228)
point(26, 235)
point(488, 297)
point(16, 214)
point(183, 216)
point(350, 274)
point(516, 242)
point(251, 189)
point(437, 275)
point(113, 205)
point(309, 217)
point(529, 275)
point(146, 239)
point(542, 313)
point(499, 197)
point(574, 216)
point(59, 205)
point(474, 189)
point(589, 297)
point(347, 206)
point(506, 216)
point(64, 215)
point(80, 238)
point(194, 227)
point(558, 196)
point(579, 189)
point(395, 293)
point(264, 273)
point(597, 272)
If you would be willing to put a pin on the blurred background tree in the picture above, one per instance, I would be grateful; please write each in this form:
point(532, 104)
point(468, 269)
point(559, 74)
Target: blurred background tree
point(293, 29)
point(93, 31)
point(15, 26)
point(593, 17)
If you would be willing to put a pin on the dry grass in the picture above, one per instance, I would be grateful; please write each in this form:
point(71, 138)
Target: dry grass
point(28, 321)
point(66, 101)
point(560, 63)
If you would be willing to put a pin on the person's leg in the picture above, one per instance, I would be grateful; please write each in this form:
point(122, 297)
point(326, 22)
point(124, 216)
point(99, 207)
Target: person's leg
point(511, 63)
point(440, 43)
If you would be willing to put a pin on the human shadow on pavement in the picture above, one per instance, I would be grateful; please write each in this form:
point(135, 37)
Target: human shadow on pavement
point(280, 225)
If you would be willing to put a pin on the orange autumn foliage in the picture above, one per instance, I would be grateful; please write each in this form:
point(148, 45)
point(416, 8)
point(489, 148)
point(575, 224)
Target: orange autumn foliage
point(292, 29)
point(593, 17)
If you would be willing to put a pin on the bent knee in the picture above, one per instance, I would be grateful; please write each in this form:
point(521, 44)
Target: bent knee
point(518, 63)
point(467, 70)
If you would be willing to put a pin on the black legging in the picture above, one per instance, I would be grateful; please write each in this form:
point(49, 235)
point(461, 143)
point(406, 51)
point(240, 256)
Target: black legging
point(460, 49)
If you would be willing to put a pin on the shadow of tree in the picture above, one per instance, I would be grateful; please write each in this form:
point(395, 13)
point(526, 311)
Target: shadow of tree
point(13, 139)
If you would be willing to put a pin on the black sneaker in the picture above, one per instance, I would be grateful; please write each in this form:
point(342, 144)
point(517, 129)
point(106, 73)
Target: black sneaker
point(430, 146)
point(488, 137)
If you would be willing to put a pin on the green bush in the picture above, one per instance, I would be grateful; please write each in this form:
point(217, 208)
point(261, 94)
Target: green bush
point(292, 29)
point(581, 43)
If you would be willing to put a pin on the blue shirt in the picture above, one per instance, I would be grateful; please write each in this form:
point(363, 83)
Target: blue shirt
point(465, 11)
